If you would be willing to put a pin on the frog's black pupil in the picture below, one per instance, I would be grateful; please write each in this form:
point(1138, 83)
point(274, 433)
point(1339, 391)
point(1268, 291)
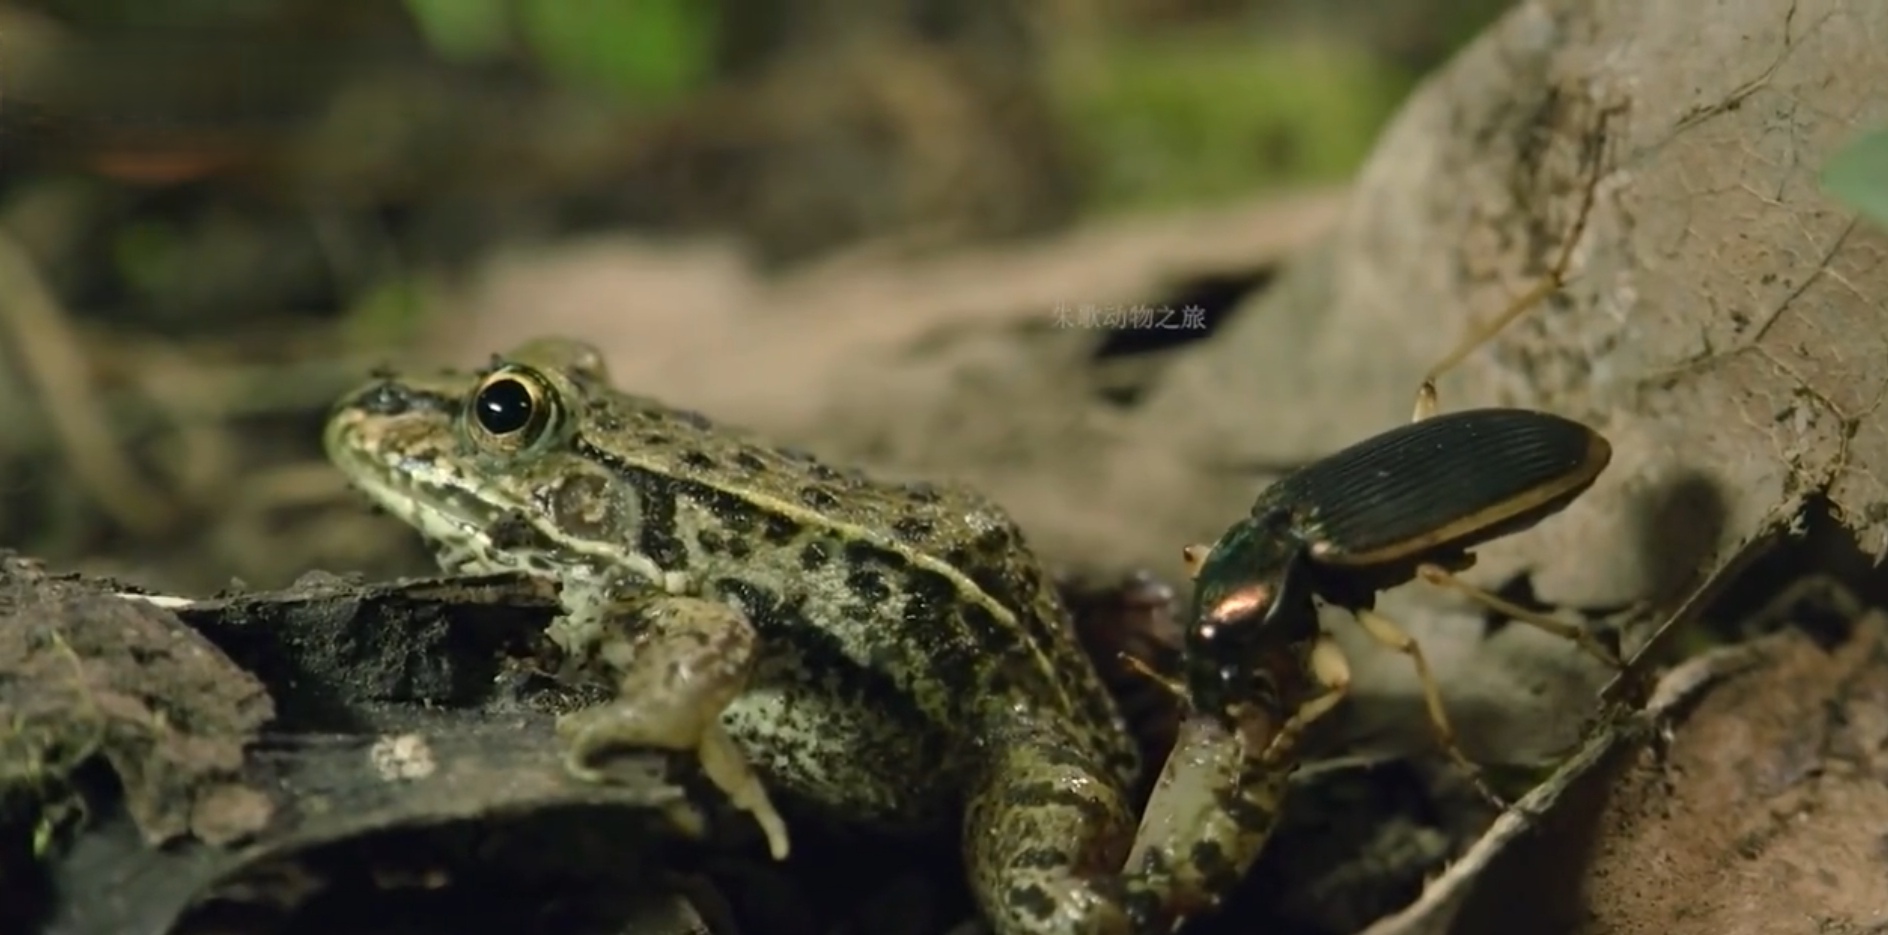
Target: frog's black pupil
point(503, 406)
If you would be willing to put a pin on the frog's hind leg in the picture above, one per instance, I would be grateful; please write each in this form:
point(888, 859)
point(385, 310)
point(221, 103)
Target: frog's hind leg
point(1216, 804)
point(1047, 831)
point(1046, 828)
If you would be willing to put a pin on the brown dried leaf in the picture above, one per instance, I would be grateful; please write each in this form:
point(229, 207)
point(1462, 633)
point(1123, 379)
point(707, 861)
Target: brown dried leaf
point(1726, 328)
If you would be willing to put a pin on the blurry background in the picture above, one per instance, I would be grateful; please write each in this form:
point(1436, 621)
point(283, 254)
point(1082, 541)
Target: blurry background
point(215, 216)
point(856, 225)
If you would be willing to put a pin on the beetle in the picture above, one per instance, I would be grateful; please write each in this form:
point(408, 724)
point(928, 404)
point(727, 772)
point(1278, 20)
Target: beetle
point(1411, 502)
point(1258, 667)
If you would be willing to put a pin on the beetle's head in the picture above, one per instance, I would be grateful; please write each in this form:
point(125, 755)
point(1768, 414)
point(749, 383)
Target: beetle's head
point(1252, 620)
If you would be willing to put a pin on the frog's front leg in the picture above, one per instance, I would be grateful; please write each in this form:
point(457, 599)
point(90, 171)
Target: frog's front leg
point(1046, 828)
point(679, 662)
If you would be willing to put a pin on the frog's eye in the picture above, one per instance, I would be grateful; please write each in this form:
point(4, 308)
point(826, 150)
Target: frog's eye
point(512, 409)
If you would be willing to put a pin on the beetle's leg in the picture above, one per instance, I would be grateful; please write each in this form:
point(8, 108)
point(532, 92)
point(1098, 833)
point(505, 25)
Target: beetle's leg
point(1332, 672)
point(1556, 277)
point(1427, 401)
point(679, 662)
point(1385, 631)
point(1195, 556)
point(1442, 577)
point(1146, 670)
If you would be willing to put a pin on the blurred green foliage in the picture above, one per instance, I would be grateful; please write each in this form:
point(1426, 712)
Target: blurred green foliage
point(647, 51)
point(1858, 175)
point(393, 313)
point(466, 31)
point(1183, 119)
point(146, 255)
point(1165, 118)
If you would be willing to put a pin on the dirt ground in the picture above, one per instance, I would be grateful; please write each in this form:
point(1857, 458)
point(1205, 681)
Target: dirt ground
point(1763, 810)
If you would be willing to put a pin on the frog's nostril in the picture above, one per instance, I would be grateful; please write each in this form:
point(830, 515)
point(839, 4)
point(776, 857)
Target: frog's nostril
point(393, 398)
point(384, 399)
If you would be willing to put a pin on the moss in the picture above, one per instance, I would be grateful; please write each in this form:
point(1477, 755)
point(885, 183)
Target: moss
point(647, 51)
point(1186, 119)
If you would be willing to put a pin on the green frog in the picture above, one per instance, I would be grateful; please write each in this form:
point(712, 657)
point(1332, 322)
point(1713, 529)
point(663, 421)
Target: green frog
point(892, 651)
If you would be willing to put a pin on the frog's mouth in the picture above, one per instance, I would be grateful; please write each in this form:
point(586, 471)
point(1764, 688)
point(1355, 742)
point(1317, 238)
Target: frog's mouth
point(418, 484)
point(397, 445)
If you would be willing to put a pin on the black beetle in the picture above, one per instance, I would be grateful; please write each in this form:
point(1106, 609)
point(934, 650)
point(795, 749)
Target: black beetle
point(1411, 502)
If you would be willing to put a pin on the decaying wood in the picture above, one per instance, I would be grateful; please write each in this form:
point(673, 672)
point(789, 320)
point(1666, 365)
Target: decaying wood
point(285, 746)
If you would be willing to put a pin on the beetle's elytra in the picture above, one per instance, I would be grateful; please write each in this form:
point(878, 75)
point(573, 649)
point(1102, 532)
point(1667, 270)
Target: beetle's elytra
point(1454, 480)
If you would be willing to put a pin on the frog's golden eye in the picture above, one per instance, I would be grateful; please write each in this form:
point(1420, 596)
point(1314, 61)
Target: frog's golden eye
point(512, 409)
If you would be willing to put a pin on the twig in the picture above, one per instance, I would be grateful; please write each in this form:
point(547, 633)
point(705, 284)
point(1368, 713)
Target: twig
point(54, 368)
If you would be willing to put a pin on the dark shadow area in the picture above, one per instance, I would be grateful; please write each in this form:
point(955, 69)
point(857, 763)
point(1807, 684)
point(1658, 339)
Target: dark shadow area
point(1679, 525)
point(1132, 350)
point(1212, 298)
point(561, 869)
point(1815, 580)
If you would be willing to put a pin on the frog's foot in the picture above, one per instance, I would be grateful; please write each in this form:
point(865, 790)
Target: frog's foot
point(679, 663)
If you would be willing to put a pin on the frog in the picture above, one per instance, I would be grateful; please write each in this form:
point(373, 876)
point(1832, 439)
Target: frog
point(892, 651)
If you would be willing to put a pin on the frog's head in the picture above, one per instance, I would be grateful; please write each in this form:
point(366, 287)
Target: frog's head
point(1251, 622)
point(494, 467)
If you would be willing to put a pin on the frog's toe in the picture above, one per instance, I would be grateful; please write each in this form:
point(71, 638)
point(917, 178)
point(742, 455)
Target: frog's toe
point(584, 738)
point(578, 767)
